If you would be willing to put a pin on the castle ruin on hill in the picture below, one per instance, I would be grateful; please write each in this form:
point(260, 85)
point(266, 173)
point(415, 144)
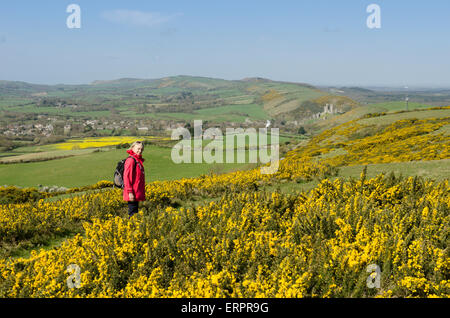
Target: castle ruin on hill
point(327, 109)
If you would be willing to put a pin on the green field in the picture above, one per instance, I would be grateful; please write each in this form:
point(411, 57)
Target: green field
point(90, 168)
point(397, 106)
point(438, 170)
point(45, 155)
point(56, 111)
point(391, 118)
point(90, 165)
point(228, 113)
point(239, 99)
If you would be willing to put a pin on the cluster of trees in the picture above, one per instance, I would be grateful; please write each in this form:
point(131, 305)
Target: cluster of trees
point(7, 144)
point(52, 102)
point(178, 97)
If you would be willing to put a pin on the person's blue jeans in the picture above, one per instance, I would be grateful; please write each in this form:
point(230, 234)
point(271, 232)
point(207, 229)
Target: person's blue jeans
point(133, 207)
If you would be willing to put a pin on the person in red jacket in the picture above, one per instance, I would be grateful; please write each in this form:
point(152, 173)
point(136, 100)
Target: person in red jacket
point(134, 178)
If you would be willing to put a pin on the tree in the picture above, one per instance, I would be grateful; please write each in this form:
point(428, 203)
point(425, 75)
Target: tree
point(301, 130)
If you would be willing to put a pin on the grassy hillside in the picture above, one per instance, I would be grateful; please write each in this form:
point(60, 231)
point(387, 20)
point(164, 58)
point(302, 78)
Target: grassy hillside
point(236, 113)
point(81, 162)
point(395, 110)
point(425, 96)
point(282, 98)
point(85, 169)
point(383, 138)
point(165, 98)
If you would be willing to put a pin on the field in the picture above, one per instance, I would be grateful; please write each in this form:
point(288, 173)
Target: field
point(230, 113)
point(393, 112)
point(84, 169)
point(397, 106)
point(93, 161)
point(42, 156)
point(209, 99)
point(437, 170)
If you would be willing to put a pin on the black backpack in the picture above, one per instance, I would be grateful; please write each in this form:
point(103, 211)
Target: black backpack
point(118, 174)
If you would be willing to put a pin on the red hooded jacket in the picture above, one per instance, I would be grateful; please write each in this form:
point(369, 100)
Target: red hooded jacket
point(134, 177)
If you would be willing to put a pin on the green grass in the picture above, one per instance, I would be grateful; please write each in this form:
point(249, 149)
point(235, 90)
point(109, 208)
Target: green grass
point(251, 140)
point(293, 96)
point(396, 106)
point(438, 170)
point(90, 168)
point(391, 118)
point(46, 155)
point(318, 126)
point(227, 113)
point(435, 169)
point(6, 102)
point(86, 167)
point(56, 111)
point(34, 149)
point(9, 154)
point(251, 111)
point(46, 246)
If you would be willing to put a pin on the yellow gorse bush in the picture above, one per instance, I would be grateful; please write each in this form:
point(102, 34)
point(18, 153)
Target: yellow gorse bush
point(38, 221)
point(403, 140)
point(258, 244)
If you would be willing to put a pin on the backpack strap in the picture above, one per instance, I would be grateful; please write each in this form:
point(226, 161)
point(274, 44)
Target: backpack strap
point(135, 162)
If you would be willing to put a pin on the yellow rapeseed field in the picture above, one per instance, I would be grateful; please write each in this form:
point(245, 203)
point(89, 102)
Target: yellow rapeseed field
point(98, 142)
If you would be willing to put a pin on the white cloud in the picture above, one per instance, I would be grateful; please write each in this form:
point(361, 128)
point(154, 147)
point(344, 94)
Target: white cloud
point(137, 18)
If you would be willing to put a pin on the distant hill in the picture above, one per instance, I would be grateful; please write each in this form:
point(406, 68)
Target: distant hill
point(276, 98)
point(122, 81)
point(21, 88)
point(436, 97)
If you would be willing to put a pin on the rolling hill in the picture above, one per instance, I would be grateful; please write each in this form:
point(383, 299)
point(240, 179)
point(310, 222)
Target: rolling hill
point(169, 95)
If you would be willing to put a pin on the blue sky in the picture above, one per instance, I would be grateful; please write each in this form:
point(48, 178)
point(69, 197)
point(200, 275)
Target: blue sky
point(322, 42)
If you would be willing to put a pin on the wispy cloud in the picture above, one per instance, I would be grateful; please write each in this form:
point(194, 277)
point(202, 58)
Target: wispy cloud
point(137, 18)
